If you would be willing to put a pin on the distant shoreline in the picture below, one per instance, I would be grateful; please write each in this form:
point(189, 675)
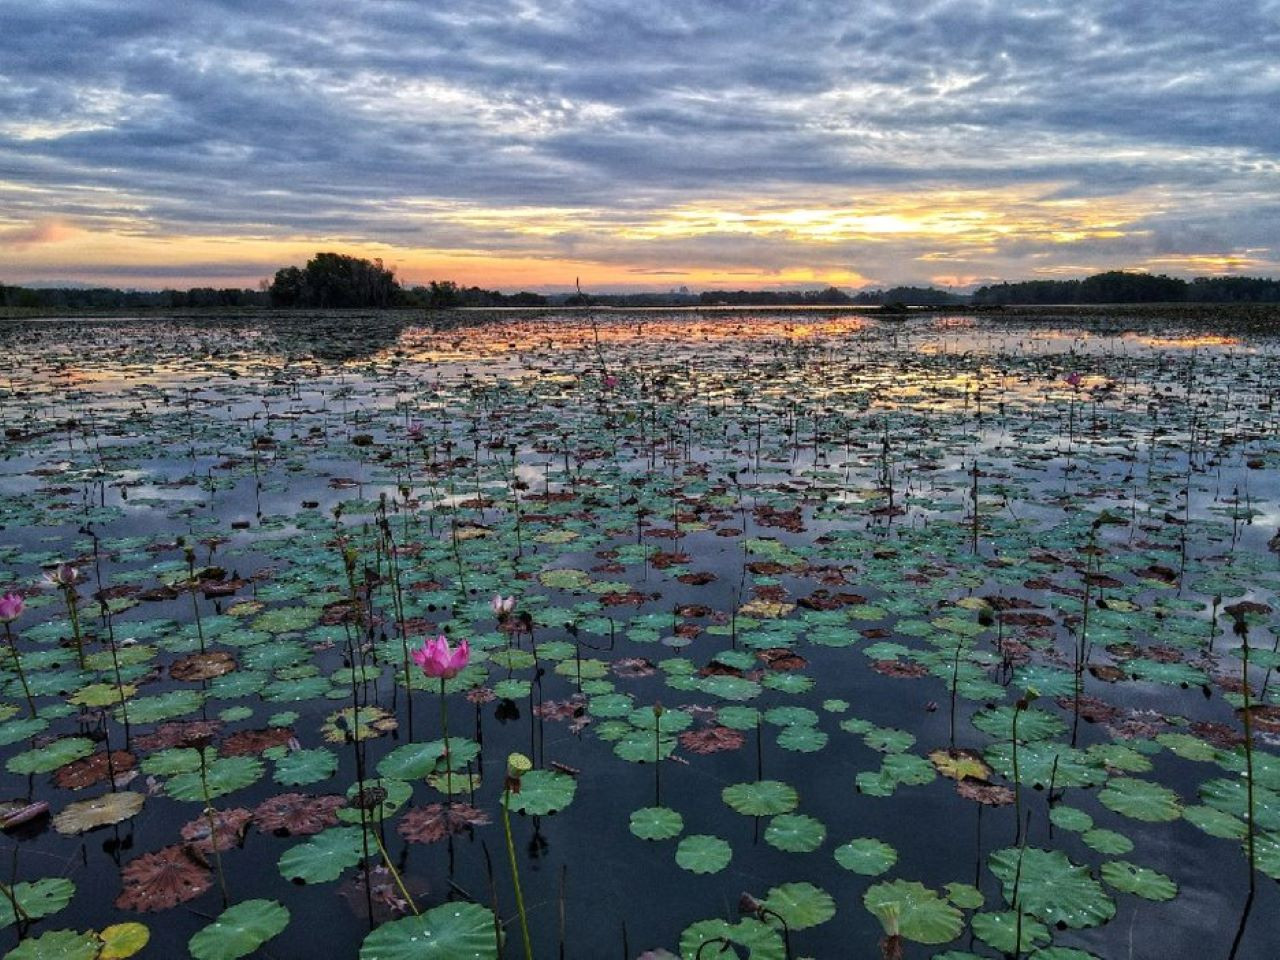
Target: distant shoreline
point(1265, 314)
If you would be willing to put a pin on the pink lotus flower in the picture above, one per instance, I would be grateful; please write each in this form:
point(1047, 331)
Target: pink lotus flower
point(610, 381)
point(415, 430)
point(11, 607)
point(64, 575)
point(437, 659)
point(502, 606)
point(1073, 378)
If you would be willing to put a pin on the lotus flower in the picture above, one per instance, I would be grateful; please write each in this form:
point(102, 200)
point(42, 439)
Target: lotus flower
point(438, 659)
point(1073, 379)
point(11, 607)
point(502, 606)
point(610, 382)
point(64, 575)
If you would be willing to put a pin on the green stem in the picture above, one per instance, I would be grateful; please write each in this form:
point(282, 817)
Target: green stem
point(394, 872)
point(74, 613)
point(515, 873)
point(17, 663)
point(444, 725)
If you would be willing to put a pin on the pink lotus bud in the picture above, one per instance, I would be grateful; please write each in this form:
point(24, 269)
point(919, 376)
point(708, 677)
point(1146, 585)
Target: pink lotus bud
point(502, 606)
point(11, 607)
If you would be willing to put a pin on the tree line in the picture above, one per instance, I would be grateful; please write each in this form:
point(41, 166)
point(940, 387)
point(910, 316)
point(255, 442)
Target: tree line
point(1118, 286)
point(334, 280)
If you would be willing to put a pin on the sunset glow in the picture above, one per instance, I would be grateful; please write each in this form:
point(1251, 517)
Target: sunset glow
point(526, 145)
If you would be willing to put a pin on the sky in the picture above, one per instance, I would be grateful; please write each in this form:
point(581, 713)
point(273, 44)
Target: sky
point(522, 144)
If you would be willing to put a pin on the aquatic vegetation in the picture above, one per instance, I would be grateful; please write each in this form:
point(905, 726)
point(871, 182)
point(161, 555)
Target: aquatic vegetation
point(949, 637)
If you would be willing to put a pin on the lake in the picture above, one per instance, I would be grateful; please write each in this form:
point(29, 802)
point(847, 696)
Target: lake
point(833, 634)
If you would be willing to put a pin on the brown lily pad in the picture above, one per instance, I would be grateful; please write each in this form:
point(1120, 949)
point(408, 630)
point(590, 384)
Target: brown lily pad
point(226, 830)
point(163, 879)
point(203, 666)
point(96, 768)
point(297, 814)
point(437, 820)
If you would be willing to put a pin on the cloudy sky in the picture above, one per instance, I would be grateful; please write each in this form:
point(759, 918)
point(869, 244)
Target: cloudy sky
point(639, 144)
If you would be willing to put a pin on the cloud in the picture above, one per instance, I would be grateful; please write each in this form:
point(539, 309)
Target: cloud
point(385, 121)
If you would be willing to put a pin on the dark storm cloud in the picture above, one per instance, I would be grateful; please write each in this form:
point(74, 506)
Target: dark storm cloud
point(328, 118)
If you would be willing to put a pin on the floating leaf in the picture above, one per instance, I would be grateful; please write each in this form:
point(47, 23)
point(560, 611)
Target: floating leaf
point(451, 931)
point(700, 853)
point(1051, 887)
point(656, 823)
point(543, 792)
point(163, 879)
point(57, 945)
point(123, 940)
point(1002, 930)
point(915, 912)
point(324, 856)
point(795, 833)
point(36, 900)
point(1141, 800)
point(867, 856)
point(110, 808)
point(51, 756)
point(801, 905)
point(762, 942)
point(763, 798)
point(239, 930)
point(299, 768)
point(1141, 881)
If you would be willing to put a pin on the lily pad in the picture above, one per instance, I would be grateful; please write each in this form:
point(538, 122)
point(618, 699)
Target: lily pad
point(701, 853)
point(867, 856)
point(763, 798)
point(656, 823)
point(239, 930)
point(1051, 887)
point(913, 911)
point(451, 931)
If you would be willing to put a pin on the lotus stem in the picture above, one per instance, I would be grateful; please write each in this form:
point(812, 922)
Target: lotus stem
point(448, 760)
point(213, 827)
point(17, 663)
point(73, 611)
point(517, 765)
point(395, 874)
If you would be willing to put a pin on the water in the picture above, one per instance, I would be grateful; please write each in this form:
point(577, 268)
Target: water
point(840, 448)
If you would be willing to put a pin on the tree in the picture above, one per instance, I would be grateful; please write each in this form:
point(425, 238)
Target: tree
point(335, 280)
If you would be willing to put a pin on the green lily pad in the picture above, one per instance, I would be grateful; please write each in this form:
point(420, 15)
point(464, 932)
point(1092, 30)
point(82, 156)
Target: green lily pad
point(1000, 931)
point(57, 945)
point(801, 905)
point(38, 899)
point(656, 823)
point(451, 931)
point(302, 767)
point(1051, 887)
point(867, 856)
point(1140, 881)
point(762, 942)
point(544, 792)
point(239, 930)
point(764, 798)
point(1141, 800)
point(1107, 841)
point(324, 856)
point(222, 776)
point(795, 833)
point(913, 911)
point(51, 756)
point(701, 853)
